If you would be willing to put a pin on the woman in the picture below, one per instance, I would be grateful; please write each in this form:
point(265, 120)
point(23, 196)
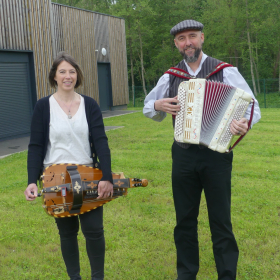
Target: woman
point(68, 127)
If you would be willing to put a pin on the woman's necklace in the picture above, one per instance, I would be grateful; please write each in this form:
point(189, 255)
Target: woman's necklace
point(69, 108)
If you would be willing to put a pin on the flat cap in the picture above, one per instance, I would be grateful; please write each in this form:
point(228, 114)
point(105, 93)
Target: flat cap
point(186, 24)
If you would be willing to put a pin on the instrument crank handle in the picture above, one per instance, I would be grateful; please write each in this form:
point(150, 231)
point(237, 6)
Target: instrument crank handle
point(39, 194)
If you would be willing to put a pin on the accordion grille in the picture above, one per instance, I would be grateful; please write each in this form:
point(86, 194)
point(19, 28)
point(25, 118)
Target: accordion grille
point(239, 111)
point(179, 129)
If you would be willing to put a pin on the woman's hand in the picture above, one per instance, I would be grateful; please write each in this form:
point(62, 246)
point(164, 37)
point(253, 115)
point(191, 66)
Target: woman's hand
point(105, 189)
point(31, 192)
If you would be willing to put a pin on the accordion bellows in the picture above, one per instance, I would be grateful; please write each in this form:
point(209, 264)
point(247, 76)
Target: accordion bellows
point(207, 110)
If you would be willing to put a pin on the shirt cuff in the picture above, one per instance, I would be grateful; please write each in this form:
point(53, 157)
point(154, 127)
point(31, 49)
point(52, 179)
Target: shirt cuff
point(150, 112)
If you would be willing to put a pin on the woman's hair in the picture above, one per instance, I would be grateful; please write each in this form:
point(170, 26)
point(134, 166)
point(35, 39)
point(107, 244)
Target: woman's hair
point(63, 56)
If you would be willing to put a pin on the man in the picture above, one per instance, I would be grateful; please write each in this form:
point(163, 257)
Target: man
point(195, 167)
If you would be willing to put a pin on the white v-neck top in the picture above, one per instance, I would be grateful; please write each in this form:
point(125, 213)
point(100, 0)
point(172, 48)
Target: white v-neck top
point(68, 138)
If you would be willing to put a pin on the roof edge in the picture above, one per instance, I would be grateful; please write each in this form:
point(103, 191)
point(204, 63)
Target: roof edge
point(85, 10)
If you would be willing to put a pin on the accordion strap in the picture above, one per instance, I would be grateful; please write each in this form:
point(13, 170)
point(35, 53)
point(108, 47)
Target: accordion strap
point(179, 73)
point(249, 125)
point(185, 75)
point(218, 68)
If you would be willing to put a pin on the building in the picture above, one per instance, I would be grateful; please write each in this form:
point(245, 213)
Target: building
point(32, 33)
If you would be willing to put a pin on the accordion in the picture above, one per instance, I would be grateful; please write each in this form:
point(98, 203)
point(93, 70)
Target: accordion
point(207, 110)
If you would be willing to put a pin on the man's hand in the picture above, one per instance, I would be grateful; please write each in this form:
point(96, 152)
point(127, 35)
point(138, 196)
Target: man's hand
point(31, 192)
point(165, 105)
point(105, 189)
point(239, 127)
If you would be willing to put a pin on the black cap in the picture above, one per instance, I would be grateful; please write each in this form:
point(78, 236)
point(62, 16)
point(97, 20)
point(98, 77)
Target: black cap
point(185, 25)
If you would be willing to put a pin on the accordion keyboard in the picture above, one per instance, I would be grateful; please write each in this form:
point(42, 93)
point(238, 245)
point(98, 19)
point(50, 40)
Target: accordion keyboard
point(179, 129)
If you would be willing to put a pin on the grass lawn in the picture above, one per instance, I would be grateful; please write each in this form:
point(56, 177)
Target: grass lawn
point(139, 227)
point(269, 100)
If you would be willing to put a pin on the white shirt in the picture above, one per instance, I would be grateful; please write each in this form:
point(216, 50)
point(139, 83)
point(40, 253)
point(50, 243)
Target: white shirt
point(231, 76)
point(69, 138)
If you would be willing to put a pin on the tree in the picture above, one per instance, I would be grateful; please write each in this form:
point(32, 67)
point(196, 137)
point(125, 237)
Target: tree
point(245, 33)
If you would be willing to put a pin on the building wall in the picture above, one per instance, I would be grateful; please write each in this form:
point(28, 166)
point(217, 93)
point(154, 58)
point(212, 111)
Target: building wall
point(25, 25)
point(74, 33)
point(47, 28)
point(102, 39)
point(117, 45)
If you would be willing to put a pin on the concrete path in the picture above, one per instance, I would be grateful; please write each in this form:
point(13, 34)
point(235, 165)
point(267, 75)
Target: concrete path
point(12, 146)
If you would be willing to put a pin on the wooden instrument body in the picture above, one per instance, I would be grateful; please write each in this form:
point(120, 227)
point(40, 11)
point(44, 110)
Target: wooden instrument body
point(58, 199)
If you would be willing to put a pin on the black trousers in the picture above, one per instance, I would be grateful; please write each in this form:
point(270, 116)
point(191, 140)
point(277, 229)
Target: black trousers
point(194, 170)
point(92, 228)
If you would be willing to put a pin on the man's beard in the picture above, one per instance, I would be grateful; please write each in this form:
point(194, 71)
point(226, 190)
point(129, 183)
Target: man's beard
point(194, 58)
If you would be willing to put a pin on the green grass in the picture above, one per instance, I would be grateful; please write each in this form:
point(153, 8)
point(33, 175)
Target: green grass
point(138, 102)
point(139, 227)
point(269, 100)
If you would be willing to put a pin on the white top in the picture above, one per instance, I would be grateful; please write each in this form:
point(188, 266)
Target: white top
point(231, 76)
point(69, 138)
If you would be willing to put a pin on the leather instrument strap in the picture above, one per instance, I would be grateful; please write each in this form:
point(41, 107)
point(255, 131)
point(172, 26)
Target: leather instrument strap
point(185, 75)
point(249, 126)
point(76, 188)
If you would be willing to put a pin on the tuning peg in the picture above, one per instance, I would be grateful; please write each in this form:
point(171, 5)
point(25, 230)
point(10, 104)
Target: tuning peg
point(136, 180)
point(38, 194)
point(142, 183)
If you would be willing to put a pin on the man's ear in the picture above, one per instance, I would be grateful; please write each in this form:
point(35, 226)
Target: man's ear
point(175, 42)
point(202, 37)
